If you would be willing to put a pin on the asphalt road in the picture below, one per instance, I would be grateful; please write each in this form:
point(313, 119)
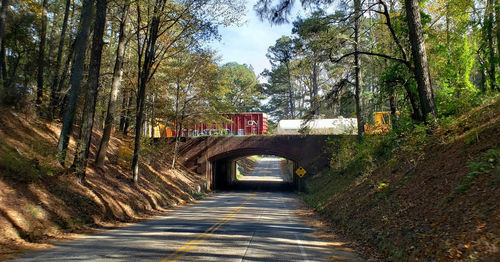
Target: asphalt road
point(267, 169)
point(227, 226)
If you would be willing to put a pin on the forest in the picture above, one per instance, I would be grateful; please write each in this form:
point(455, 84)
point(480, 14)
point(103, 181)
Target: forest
point(126, 66)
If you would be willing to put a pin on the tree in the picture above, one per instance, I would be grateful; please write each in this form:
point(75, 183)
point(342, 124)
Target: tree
point(163, 27)
point(115, 87)
point(41, 53)
point(281, 54)
point(241, 87)
point(357, 67)
point(3, 63)
point(87, 123)
point(54, 91)
point(75, 78)
point(419, 57)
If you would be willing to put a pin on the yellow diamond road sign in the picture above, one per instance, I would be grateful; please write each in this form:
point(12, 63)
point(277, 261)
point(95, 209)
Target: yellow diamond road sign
point(300, 172)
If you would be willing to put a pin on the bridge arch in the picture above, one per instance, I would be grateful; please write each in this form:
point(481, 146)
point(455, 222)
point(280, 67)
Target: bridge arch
point(223, 167)
point(201, 154)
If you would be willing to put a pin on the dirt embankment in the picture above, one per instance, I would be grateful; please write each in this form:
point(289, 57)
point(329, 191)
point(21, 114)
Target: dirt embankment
point(245, 165)
point(41, 202)
point(440, 203)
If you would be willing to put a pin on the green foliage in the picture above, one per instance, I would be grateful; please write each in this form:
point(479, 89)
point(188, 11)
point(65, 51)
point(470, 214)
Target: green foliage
point(453, 101)
point(16, 166)
point(240, 87)
point(487, 163)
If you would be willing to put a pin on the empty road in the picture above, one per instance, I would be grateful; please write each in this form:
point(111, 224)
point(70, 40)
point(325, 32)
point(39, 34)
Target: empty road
point(227, 226)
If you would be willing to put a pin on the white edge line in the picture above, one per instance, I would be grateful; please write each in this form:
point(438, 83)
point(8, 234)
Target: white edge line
point(302, 251)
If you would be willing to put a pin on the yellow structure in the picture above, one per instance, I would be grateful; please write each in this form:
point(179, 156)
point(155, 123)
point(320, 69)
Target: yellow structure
point(382, 123)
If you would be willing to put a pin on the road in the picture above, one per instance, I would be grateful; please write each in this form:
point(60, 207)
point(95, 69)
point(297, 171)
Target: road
point(227, 226)
point(267, 169)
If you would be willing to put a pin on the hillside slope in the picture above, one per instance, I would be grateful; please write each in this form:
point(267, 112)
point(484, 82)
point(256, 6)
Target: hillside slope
point(431, 198)
point(39, 202)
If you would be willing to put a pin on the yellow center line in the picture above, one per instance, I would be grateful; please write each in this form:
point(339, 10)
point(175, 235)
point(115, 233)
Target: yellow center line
point(193, 243)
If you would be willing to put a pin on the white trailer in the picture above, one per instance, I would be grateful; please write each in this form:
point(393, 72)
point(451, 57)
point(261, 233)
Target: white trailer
point(334, 126)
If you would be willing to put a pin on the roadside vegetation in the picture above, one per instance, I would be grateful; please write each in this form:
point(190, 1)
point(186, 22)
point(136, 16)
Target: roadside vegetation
point(83, 84)
point(41, 202)
point(418, 195)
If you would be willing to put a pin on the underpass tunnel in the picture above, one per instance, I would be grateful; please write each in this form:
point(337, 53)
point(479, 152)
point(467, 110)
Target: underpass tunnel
point(254, 172)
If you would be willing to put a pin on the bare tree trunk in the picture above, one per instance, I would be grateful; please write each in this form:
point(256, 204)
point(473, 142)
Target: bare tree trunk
point(144, 76)
point(315, 87)
point(290, 92)
point(177, 123)
point(128, 113)
point(55, 82)
point(115, 88)
point(83, 145)
point(41, 54)
point(75, 78)
point(3, 63)
point(357, 69)
point(419, 57)
point(153, 121)
point(123, 109)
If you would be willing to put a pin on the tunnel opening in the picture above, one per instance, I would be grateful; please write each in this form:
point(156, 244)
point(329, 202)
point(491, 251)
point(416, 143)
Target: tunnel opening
point(254, 172)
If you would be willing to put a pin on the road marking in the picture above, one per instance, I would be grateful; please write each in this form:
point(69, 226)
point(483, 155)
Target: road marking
point(193, 243)
point(302, 251)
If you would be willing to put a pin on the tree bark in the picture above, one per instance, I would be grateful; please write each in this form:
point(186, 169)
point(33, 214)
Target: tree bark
point(357, 69)
point(497, 27)
point(115, 88)
point(491, 50)
point(123, 109)
point(177, 123)
point(419, 57)
point(144, 76)
point(83, 145)
point(3, 63)
point(315, 87)
point(41, 54)
point(55, 82)
point(417, 114)
point(75, 78)
point(290, 91)
point(128, 113)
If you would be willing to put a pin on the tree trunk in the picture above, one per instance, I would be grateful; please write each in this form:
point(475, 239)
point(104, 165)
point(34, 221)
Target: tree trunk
point(83, 145)
point(491, 50)
point(315, 87)
point(417, 114)
point(3, 63)
point(419, 57)
point(144, 78)
point(55, 82)
point(128, 113)
point(75, 78)
point(41, 54)
point(290, 92)
point(357, 69)
point(153, 120)
point(123, 109)
point(497, 27)
point(177, 123)
point(115, 88)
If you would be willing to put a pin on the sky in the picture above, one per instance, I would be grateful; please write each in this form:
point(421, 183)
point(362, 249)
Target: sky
point(248, 43)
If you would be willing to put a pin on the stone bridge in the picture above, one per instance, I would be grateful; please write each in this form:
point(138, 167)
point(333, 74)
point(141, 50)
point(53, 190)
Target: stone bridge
point(214, 157)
